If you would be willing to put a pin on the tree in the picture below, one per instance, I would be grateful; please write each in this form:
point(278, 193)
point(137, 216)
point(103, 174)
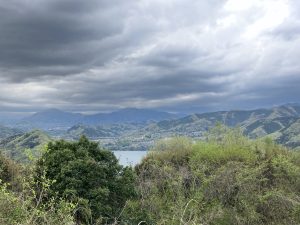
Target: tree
point(9, 172)
point(84, 173)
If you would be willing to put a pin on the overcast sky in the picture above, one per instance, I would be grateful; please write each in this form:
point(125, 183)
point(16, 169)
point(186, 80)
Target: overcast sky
point(174, 55)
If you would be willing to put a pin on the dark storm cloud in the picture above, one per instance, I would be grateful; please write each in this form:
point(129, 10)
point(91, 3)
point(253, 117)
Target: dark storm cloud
point(179, 55)
point(56, 37)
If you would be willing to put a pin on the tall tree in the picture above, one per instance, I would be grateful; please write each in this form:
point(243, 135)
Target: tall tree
point(83, 172)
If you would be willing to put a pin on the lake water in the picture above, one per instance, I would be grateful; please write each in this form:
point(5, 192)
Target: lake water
point(132, 158)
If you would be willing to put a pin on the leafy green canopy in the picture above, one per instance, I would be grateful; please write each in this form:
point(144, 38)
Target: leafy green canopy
point(22, 203)
point(84, 173)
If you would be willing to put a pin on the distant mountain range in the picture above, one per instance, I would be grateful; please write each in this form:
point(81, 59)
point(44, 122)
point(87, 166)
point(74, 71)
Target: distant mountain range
point(138, 129)
point(56, 118)
point(281, 123)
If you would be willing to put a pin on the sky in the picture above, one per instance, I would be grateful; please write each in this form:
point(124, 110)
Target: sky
point(173, 55)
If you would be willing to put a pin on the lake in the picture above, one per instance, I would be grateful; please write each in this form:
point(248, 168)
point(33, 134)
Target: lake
point(132, 158)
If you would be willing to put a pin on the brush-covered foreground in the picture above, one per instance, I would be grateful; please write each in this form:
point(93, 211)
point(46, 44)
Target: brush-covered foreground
point(21, 201)
point(225, 180)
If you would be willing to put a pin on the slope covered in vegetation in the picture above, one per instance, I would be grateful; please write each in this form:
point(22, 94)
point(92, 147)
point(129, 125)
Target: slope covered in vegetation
point(18, 146)
point(279, 123)
point(6, 132)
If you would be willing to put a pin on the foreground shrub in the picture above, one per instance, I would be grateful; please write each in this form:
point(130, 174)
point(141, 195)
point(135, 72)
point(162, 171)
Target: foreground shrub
point(27, 208)
point(227, 179)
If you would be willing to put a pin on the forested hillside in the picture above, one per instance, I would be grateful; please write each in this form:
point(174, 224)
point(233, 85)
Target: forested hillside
point(279, 123)
point(20, 146)
point(6, 132)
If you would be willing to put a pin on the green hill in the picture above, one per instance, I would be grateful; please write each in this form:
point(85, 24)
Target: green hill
point(102, 131)
point(16, 146)
point(89, 131)
point(7, 131)
point(280, 123)
point(290, 136)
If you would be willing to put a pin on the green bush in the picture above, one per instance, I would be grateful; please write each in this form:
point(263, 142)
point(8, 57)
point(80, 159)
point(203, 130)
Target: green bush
point(26, 207)
point(227, 179)
point(84, 173)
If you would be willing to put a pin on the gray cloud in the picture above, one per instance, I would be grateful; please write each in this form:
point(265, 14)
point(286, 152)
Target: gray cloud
point(178, 55)
point(56, 37)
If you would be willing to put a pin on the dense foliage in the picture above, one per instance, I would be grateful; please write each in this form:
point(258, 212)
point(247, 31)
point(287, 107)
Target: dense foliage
point(21, 201)
point(82, 172)
point(226, 180)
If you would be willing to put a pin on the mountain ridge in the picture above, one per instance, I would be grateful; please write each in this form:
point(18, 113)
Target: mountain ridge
point(280, 122)
point(55, 117)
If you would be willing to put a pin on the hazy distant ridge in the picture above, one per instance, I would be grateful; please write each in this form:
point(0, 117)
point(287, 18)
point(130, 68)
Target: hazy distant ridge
point(55, 117)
